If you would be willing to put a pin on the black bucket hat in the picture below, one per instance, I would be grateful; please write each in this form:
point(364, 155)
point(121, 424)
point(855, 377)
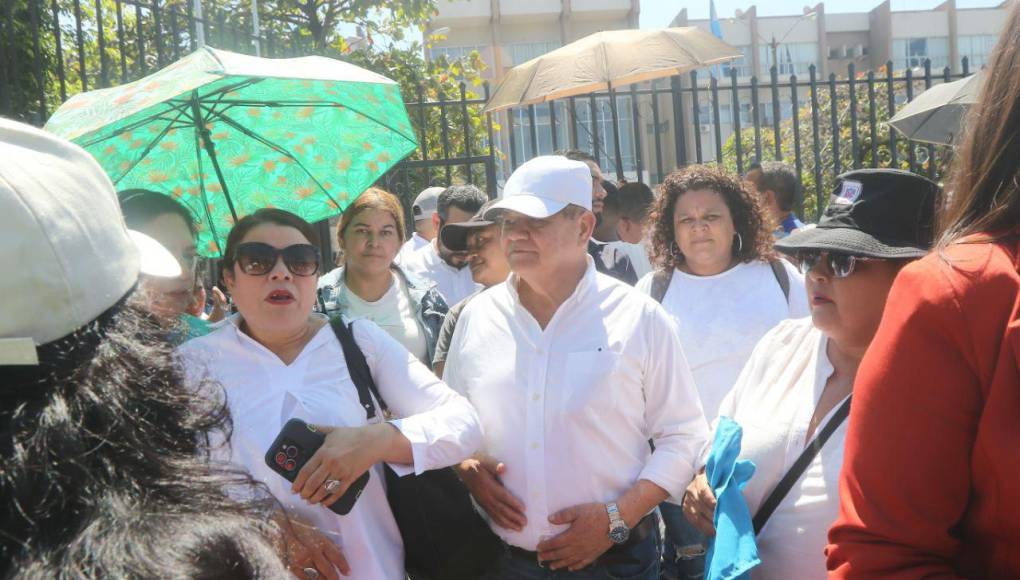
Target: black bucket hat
point(454, 236)
point(874, 213)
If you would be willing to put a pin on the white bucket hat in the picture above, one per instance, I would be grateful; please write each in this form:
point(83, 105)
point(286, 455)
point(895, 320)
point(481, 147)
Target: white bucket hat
point(65, 253)
point(545, 185)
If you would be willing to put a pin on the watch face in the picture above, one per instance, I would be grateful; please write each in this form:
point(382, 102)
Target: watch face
point(619, 535)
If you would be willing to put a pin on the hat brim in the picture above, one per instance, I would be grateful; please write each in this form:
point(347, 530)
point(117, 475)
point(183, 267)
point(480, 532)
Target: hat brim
point(454, 236)
point(528, 204)
point(848, 241)
point(153, 259)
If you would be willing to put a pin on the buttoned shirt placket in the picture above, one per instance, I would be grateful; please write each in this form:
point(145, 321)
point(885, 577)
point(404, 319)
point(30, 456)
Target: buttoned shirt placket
point(539, 348)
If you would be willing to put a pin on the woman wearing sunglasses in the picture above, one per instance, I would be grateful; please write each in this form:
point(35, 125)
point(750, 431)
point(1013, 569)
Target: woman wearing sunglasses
point(277, 360)
point(179, 300)
point(370, 285)
point(793, 396)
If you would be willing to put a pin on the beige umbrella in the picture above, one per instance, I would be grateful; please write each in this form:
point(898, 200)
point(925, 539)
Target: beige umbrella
point(606, 60)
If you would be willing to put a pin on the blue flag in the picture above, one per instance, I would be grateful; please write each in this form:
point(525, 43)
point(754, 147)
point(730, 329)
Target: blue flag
point(713, 20)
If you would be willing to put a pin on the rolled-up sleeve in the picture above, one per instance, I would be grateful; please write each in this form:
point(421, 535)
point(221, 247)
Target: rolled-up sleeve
point(673, 410)
point(441, 425)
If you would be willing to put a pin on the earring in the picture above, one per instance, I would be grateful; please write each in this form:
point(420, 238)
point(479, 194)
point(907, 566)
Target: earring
point(740, 243)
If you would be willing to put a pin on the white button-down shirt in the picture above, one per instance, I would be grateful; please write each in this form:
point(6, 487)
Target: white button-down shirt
point(773, 401)
point(570, 409)
point(455, 285)
point(263, 394)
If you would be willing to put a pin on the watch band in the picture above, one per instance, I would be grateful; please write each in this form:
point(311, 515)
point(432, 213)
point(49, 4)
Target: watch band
point(614, 516)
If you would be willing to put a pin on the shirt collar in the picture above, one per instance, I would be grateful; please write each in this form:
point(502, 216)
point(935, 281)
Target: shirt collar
point(584, 285)
point(248, 343)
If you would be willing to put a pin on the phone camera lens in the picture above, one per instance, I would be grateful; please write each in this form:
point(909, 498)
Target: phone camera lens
point(280, 459)
point(290, 465)
point(291, 451)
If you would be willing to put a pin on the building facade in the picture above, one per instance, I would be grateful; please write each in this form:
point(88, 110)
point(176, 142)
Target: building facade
point(509, 32)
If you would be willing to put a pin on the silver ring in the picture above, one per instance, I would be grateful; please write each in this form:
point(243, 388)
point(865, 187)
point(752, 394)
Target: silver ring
point(311, 573)
point(332, 485)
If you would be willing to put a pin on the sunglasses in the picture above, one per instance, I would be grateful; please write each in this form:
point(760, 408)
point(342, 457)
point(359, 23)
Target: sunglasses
point(258, 259)
point(841, 265)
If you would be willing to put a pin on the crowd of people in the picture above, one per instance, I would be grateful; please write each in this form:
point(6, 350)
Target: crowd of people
point(548, 374)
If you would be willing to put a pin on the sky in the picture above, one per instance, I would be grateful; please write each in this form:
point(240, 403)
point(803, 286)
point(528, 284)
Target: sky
point(659, 13)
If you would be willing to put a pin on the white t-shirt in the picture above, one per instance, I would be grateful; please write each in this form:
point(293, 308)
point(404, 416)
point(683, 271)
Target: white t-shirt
point(638, 254)
point(773, 401)
point(426, 265)
point(720, 318)
point(393, 313)
point(411, 246)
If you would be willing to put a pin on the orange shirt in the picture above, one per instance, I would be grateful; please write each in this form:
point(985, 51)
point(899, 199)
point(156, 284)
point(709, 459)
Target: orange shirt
point(931, 478)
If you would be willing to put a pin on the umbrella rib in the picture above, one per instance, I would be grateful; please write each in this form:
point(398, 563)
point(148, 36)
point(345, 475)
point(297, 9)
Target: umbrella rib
point(133, 126)
point(148, 148)
point(251, 134)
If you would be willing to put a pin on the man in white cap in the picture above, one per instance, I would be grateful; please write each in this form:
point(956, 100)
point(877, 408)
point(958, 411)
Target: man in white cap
point(426, 222)
point(572, 373)
point(103, 443)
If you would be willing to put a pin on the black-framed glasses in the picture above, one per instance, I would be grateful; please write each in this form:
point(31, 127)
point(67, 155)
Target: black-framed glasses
point(258, 259)
point(841, 265)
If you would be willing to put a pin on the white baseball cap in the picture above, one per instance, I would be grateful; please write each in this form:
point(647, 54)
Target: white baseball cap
point(65, 252)
point(427, 203)
point(545, 185)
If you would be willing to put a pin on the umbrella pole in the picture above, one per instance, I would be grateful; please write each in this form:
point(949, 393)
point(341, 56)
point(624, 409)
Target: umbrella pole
point(210, 149)
point(616, 134)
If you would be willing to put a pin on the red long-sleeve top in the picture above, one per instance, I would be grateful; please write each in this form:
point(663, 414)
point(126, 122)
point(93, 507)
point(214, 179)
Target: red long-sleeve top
point(930, 485)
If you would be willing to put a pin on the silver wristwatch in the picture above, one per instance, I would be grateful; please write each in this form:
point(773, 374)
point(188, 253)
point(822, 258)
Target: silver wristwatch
point(618, 530)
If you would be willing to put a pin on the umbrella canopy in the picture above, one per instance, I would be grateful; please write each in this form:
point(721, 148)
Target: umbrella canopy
point(226, 134)
point(606, 60)
point(936, 115)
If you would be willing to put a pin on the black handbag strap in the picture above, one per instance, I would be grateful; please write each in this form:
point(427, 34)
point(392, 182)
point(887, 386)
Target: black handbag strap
point(798, 467)
point(357, 366)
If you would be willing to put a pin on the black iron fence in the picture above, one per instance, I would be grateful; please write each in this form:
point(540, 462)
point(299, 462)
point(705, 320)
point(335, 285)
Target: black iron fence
point(50, 49)
point(820, 126)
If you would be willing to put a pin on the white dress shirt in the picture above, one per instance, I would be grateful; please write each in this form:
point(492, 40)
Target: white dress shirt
point(720, 318)
point(411, 246)
point(638, 254)
point(426, 265)
point(570, 409)
point(263, 393)
point(773, 401)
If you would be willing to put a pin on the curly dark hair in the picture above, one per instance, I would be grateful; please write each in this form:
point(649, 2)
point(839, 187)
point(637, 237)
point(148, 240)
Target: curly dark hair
point(106, 471)
point(749, 217)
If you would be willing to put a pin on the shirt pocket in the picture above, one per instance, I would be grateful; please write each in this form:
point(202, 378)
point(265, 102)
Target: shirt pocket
point(589, 382)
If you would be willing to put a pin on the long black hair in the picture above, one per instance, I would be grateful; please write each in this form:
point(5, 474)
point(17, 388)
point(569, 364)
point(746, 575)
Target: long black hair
point(105, 470)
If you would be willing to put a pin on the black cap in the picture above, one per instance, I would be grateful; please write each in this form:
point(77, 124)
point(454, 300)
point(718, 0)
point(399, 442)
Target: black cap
point(454, 236)
point(875, 213)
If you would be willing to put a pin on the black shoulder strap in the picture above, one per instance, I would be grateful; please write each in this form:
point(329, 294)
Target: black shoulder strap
point(660, 284)
point(357, 366)
point(782, 276)
point(798, 467)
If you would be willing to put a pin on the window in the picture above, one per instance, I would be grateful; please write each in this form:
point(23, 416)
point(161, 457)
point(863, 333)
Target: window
point(453, 53)
point(912, 52)
point(977, 49)
point(525, 51)
point(794, 58)
point(742, 63)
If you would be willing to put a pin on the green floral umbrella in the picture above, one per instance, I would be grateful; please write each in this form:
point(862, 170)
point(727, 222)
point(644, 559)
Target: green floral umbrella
point(226, 134)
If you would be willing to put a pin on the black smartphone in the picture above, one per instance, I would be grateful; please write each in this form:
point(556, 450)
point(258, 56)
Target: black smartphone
point(294, 446)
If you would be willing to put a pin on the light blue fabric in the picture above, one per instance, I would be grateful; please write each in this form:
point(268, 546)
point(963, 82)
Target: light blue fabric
point(733, 552)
